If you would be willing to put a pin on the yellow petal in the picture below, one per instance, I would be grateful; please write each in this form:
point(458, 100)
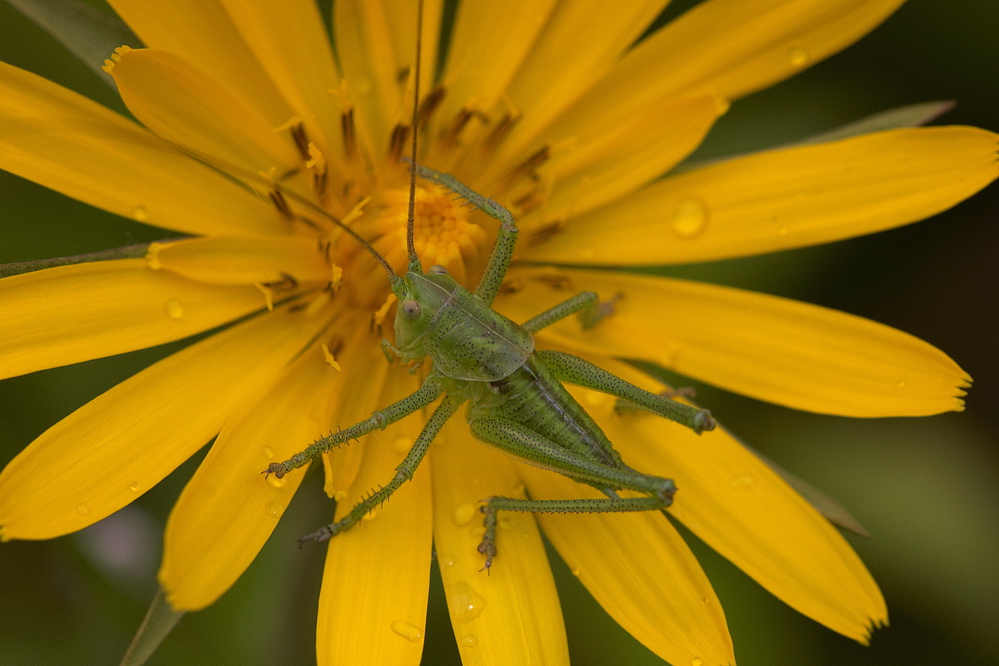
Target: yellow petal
point(288, 260)
point(746, 512)
point(640, 570)
point(190, 108)
point(228, 509)
point(123, 442)
point(578, 45)
point(373, 603)
point(479, 66)
point(732, 48)
point(289, 41)
point(201, 32)
point(784, 198)
point(376, 42)
point(790, 353)
point(367, 376)
point(75, 313)
point(512, 615)
point(66, 142)
point(603, 163)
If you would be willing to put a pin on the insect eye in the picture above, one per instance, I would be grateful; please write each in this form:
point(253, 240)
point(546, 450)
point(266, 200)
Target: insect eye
point(437, 269)
point(411, 310)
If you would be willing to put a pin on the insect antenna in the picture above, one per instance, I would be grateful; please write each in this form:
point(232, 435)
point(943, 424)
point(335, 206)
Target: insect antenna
point(414, 259)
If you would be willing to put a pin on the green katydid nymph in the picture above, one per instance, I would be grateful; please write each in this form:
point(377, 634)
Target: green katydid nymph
point(516, 401)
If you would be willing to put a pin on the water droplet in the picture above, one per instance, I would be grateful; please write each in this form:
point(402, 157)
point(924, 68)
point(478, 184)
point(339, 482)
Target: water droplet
point(467, 603)
point(505, 524)
point(174, 309)
point(519, 490)
point(446, 560)
point(741, 481)
point(82, 509)
point(587, 253)
point(575, 571)
point(140, 213)
point(267, 452)
point(274, 481)
point(696, 661)
point(797, 56)
point(901, 383)
point(275, 509)
point(410, 632)
point(463, 513)
point(722, 105)
point(782, 231)
point(705, 601)
point(469, 640)
point(689, 217)
point(134, 486)
point(339, 495)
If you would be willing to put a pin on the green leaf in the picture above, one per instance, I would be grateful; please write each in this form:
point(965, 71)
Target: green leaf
point(88, 33)
point(159, 622)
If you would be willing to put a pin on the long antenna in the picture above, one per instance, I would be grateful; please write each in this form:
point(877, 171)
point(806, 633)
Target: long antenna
point(414, 260)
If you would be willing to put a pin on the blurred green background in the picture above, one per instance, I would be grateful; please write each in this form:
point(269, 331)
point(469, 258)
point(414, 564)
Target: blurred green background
point(925, 488)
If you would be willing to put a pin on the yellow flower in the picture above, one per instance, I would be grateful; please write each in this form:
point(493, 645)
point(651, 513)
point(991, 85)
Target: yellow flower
point(256, 133)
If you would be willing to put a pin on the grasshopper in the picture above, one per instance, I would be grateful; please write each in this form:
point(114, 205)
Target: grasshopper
point(516, 401)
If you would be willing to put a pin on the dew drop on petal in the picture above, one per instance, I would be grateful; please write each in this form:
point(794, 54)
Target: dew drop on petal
point(689, 218)
point(275, 509)
point(140, 213)
point(267, 452)
point(575, 571)
point(782, 231)
point(463, 513)
point(505, 524)
point(466, 602)
point(587, 253)
point(82, 509)
point(408, 631)
point(741, 481)
point(174, 309)
point(797, 56)
point(469, 640)
point(134, 486)
point(446, 560)
point(274, 481)
point(696, 661)
point(901, 383)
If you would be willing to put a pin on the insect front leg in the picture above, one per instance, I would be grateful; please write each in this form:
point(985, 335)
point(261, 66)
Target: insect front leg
point(506, 240)
point(425, 395)
point(519, 440)
point(575, 370)
point(404, 472)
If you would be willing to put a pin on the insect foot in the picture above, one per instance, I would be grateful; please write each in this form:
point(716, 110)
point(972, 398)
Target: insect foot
point(488, 544)
point(322, 535)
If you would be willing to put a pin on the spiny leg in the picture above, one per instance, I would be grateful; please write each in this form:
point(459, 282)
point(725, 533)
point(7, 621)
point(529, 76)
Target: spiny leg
point(601, 505)
point(519, 440)
point(404, 472)
point(423, 396)
point(578, 371)
point(506, 240)
point(581, 302)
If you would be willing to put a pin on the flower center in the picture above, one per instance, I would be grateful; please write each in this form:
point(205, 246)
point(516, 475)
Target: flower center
point(444, 233)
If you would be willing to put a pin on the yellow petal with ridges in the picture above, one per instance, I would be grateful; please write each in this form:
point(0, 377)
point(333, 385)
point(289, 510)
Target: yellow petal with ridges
point(228, 509)
point(479, 66)
point(731, 48)
point(745, 511)
point(188, 107)
point(775, 349)
point(376, 44)
point(287, 260)
point(602, 165)
point(639, 569)
point(66, 142)
point(69, 314)
point(124, 441)
point(366, 375)
point(289, 41)
point(784, 198)
point(512, 615)
point(373, 602)
point(201, 32)
point(579, 42)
